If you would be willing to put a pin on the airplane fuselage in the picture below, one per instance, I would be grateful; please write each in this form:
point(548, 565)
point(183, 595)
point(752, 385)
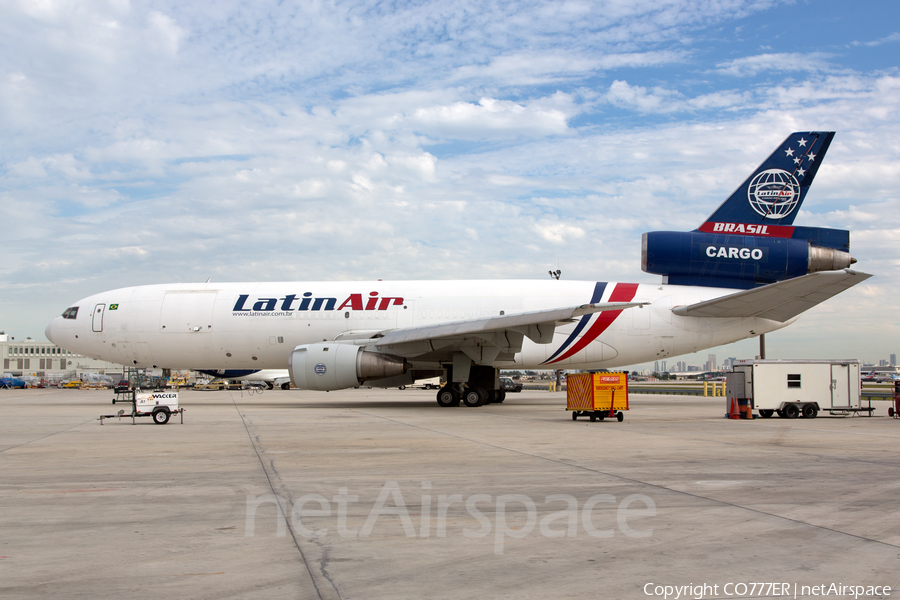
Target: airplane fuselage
point(256, 325)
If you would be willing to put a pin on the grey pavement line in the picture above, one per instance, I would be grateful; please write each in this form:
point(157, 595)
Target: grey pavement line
point(286, 518)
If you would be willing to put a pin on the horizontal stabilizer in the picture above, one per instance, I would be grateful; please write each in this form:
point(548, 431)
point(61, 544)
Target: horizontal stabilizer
point(485, 325)
point(780, 301)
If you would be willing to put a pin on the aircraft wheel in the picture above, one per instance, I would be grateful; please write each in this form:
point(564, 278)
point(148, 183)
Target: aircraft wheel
point(809, 411)
point(448, 396)
point(501, 396)
point(765, 413)
point(474, 397)
point(780, 413)
point(791, 411)
point(161, 417)
point(285, 386)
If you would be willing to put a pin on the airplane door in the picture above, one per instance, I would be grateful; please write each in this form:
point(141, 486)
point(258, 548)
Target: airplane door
point(189, 311)
point(98, 317)
point(840, 385)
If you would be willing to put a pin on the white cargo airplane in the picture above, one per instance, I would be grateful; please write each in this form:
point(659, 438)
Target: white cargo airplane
point(335, 335)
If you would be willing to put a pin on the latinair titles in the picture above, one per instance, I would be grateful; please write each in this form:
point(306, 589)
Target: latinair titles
point(306, 302)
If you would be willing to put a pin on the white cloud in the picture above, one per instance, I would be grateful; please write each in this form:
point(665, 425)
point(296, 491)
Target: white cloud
point(640, 98)
point(549, 67)
point(749, 66)
point(489, 116)
point(662, 101)
point(894, 37)
point(168, 32)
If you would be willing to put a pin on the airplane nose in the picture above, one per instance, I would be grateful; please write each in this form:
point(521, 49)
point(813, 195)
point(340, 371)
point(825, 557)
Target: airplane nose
point(49, 332)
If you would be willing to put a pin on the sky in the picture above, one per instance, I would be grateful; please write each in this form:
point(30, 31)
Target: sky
point(162, 141)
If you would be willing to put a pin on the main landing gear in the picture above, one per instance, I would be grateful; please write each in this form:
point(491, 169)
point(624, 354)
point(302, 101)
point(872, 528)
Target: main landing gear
point(482, 385)
point(452, 395)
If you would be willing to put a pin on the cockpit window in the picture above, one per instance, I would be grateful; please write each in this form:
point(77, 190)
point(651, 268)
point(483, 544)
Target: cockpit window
point(70, 313)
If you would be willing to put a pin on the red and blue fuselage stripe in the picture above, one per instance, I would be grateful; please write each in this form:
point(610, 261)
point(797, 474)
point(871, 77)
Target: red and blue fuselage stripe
point(597, 295)
point(623, 292)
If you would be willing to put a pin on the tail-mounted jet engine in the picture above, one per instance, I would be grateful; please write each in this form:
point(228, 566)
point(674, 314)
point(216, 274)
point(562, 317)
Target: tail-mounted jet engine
point(331, 366)
point(737, 261)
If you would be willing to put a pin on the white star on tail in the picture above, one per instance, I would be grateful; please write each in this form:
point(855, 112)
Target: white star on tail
point(802, 142)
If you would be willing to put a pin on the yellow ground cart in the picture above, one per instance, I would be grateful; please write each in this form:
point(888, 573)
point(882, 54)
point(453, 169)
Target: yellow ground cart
point(597, 395)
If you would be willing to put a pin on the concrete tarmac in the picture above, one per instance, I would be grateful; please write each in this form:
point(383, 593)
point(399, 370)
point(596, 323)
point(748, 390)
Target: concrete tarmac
point(371, 494)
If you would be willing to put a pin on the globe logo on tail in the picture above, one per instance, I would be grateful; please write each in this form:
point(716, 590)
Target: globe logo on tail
point(774, 193)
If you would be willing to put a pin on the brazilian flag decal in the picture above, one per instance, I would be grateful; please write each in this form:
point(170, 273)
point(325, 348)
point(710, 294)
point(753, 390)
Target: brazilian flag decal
point(113, 306)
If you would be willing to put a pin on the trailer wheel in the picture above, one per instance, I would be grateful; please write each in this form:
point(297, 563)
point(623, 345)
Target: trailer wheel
point(809, 411)
point(161, 417)
point(601, 415)
point(791, 411)
point(620, 416)
point(890, 411)
point(574, 415)
point(765, 413)
point(593, 417)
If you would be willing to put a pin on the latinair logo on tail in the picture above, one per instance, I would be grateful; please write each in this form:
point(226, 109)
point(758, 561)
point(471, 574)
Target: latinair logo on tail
point(774, 193)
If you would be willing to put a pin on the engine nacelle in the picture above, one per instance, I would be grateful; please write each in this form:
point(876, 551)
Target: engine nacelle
point(737, 261)
point(330, 366)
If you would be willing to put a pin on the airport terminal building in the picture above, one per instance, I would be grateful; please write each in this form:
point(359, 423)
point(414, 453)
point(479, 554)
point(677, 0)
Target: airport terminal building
point(48, 361)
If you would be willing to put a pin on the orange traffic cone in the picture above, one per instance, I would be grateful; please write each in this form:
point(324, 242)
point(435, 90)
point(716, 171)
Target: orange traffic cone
point(734, 413)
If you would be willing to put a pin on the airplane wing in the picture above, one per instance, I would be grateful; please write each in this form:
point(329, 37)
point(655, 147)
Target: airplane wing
point(780, 301)
point(502, 334)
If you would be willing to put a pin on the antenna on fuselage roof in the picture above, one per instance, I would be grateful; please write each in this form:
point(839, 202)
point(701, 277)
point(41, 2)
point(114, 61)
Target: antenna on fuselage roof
point(555, 274)
point(207, 279)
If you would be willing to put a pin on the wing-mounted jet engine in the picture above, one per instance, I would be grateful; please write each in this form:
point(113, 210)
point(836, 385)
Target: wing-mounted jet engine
point(750, 240)
point(336, 366)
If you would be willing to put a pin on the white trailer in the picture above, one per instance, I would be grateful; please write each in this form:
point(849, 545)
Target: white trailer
point(158, 405)
point(791, 388)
